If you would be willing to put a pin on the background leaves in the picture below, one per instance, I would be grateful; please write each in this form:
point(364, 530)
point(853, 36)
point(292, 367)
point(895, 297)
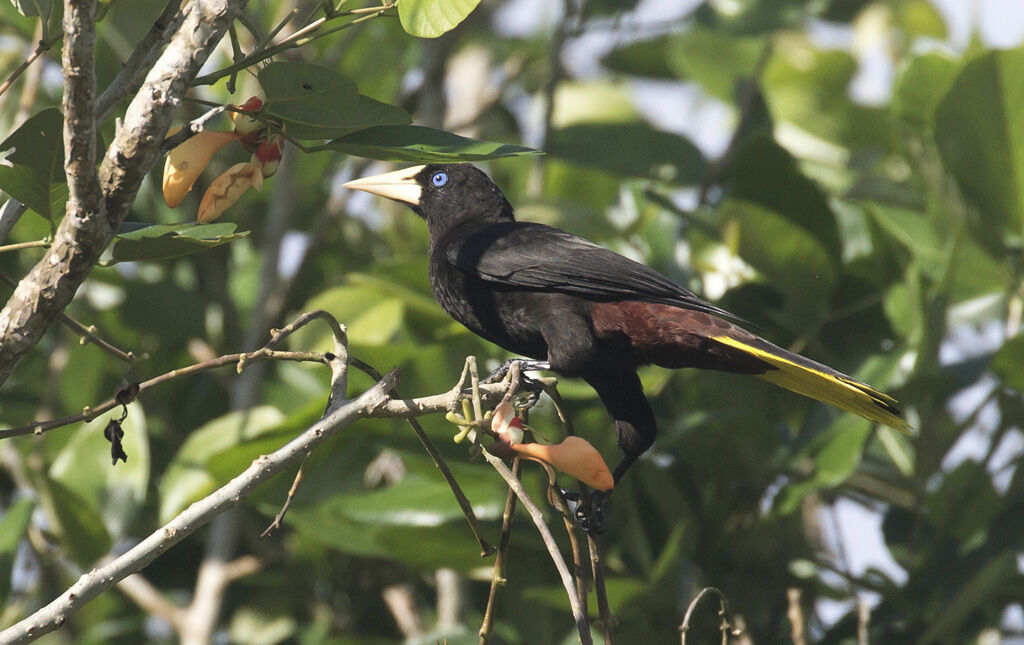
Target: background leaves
point(732, 148)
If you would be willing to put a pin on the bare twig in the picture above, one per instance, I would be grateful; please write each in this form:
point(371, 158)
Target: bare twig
point(604, 611)
point(194, 127)
point(300, 37)
point(198, 514)
point(141, 59)
point(863, 620)
point(796, 616)
point(35, 244)
point(454, 394)
point(88, 334)
point(91, 413)
point(498, 572)
point(276, 524)
point(10, 213)
point(41, 48)
point(723, 612)
point(145, 595)
point(582, 627)
point(402, 604)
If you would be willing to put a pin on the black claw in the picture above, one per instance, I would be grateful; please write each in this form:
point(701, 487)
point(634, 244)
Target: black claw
point(590, 517)
point(527, 364)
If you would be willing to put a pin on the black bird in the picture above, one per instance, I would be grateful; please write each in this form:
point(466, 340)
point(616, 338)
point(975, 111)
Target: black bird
point(584, 311)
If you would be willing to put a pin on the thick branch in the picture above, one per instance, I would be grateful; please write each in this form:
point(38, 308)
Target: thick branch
point(51, 284)
point(79, 62)
point(231, 494)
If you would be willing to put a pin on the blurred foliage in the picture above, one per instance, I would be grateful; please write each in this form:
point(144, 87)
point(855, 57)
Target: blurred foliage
point(883, 238)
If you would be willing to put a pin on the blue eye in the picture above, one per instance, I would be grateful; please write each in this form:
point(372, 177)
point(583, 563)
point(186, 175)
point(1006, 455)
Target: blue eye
point(439, 179)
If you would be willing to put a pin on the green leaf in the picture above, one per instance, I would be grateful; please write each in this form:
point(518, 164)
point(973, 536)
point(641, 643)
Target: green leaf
point(1008, 363)
point(37, 161)
point(416, 521)
point(187, 478)
point(642, 58)
point(765, 172)
point(41, 8)
point(791, 259)
point(965, 502)
point(12, 529)
point(919, 18)
point(979, 129)
point(162, 241)
point(82, 529)
point(630, 149)
point(419, 144)
point(432, 18)
point(835, 453)
point(115, 492)
point(808, 87)
point(978, 592)
point(919, 87)
point(318, 103)
point(717, 60)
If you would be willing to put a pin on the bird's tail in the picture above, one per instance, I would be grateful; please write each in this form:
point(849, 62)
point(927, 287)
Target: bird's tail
point(804, 376)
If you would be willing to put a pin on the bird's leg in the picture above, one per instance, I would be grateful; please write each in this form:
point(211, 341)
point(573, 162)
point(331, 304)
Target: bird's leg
point(589, 513)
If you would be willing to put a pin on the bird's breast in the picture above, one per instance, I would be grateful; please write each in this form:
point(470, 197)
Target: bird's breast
point(498, 315)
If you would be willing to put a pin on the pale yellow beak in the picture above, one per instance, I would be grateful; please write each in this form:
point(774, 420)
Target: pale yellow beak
point(400, 185)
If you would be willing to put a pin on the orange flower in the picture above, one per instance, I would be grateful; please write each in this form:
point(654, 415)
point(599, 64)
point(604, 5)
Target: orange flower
point(186, 162)
point(575, 457)
point(226, 189)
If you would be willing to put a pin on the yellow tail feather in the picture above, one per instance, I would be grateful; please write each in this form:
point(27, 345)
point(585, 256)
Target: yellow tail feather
point(829, 387)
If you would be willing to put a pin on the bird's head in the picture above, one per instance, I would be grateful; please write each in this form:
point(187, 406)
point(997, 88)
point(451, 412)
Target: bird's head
point(445, 195)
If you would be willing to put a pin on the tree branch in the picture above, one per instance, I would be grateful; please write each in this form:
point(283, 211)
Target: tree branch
point(230, 495)
point(52, 283)
point(79, 62)
point(140, 60)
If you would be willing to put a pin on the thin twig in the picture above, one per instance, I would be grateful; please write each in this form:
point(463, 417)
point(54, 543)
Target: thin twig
point(486, 548)
point(498, 579)
point(195, 516)
point(129, 77)
point(10, 213)
point(796, 616)
point(142, 592)
point(43, 47)
point(90, 413)
point(723, 612)
point(87, 334)
point(194, 127)
point(549, 541)
point(276, 524)
point(24, 245)
point(603, 610)
point(863, 620)
point(291, 42)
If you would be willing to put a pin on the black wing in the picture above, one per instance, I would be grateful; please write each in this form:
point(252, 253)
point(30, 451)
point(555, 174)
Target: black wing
point(537, 257)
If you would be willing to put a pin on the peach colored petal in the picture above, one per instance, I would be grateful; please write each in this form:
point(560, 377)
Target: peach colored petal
point(575, 457)
point(185, 163)
point(226, 189)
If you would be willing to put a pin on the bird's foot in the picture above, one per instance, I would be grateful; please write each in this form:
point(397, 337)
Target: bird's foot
point(526, 364)
point(588, 514)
